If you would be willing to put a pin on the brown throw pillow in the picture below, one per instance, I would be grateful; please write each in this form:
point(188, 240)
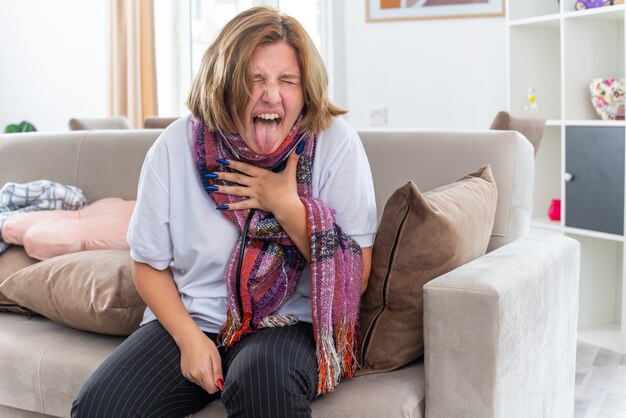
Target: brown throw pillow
point(12, 260)
point(90, 291)
point(420, 237)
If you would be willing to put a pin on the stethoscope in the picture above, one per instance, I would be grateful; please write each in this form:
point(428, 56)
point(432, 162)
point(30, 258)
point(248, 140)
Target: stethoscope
point(277, 168)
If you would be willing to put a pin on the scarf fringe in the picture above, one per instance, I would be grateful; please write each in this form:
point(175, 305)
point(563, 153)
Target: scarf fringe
point(336, 359)
point(328, 364)
point(278, 321)
point(347, 347)
point(233, 329)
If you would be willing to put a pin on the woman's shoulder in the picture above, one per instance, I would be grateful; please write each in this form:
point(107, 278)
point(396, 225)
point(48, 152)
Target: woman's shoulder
point(338, 146)
point(340, 135)
point(175, 138)
point(180, 128)
point(339, 128)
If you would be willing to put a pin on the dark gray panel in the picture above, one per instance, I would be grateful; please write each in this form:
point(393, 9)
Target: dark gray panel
point(595, 195)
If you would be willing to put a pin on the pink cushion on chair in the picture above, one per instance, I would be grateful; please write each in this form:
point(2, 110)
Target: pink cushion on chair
point(45, 234)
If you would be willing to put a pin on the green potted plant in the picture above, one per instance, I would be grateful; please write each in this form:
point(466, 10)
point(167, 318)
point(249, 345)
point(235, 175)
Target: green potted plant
point(23, 126)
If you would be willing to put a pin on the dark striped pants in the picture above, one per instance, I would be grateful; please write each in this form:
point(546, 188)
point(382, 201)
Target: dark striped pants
point(271, 373)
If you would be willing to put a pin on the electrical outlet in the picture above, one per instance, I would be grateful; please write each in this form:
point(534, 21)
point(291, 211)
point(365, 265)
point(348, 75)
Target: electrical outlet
point(378, 116)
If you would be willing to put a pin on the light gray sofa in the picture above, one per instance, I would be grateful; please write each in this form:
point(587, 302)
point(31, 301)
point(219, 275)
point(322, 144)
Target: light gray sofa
point(500, 331)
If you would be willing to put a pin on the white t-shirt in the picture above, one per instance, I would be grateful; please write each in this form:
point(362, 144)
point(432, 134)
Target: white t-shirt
point(175, 223)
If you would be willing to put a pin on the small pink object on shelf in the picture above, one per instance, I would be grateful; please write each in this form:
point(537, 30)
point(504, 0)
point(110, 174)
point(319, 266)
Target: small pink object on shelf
point(554, 212)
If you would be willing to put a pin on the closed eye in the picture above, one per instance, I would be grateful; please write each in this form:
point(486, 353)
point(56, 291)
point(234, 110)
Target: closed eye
point(290, 80)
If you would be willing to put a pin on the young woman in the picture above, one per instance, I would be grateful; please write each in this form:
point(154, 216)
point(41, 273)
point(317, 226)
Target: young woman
point(251, 240)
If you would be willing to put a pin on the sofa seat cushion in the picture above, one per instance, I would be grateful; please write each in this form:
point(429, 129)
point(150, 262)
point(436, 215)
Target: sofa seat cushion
point(8, 412)
point(397, 394)
point(45, 365)
point(401, 395)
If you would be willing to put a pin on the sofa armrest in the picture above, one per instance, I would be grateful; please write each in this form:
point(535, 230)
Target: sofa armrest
point(500, 332)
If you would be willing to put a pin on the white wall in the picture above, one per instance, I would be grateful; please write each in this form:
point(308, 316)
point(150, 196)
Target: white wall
point(426, 73)
point(442, 73)
point(53, 61)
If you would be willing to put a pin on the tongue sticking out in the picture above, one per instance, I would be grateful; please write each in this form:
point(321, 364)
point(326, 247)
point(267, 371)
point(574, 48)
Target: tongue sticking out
point(266, 133)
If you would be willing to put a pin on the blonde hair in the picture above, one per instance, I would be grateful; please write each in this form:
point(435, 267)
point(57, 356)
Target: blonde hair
point(224, 78)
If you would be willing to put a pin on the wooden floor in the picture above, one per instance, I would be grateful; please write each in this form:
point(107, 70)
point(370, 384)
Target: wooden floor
point(600, 383)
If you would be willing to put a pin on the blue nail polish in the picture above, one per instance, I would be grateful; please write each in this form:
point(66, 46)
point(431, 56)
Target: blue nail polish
point(223, 207)
point(210, 176)
point(300, 147)
point(211, 188)
point(223, 162)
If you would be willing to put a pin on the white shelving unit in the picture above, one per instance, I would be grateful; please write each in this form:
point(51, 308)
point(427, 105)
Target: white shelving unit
point(557, 50)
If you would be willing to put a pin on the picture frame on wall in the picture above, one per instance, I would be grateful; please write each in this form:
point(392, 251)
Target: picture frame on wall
point(390, 10)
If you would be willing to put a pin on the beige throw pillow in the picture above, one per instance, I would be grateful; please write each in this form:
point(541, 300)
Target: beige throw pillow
point(12, 260)
point(420, 237)
point(90, 291)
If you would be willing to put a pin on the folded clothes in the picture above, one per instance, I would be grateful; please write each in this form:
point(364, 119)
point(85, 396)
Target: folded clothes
point(34, 196)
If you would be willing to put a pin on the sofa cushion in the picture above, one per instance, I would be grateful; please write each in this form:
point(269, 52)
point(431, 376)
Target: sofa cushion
point(45, 234)
point(91, 291)
point(44, 363)
point(60, 354)
point(12, 260)
point(402, 390)
point(420, 237)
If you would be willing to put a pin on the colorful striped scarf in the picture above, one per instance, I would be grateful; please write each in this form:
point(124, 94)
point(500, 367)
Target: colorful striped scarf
point(272, 263)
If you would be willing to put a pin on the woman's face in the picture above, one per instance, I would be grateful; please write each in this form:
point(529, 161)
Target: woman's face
point(276, 99)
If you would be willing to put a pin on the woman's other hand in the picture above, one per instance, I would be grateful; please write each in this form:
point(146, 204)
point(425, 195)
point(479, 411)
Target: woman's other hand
point(201, 362)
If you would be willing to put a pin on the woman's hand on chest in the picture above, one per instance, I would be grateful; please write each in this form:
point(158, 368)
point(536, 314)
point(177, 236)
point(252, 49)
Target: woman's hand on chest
point(262, 189)
point(276, 193)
